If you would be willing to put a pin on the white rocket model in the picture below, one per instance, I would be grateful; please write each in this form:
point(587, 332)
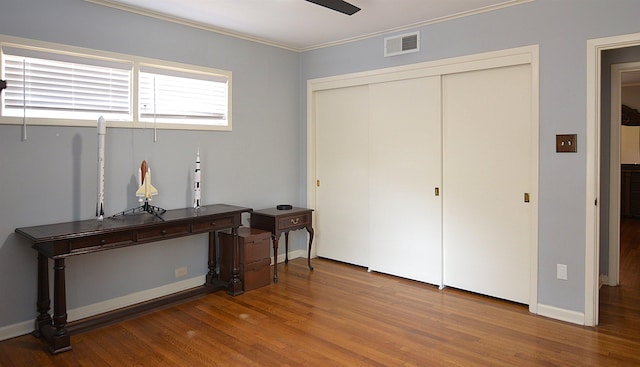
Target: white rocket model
point(196, 182)
point(146, 189)
point(102, 131)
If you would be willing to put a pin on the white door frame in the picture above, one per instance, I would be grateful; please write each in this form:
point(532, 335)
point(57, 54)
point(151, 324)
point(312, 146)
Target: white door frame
point(487, 60)
point(593, 136)
point(613, 278)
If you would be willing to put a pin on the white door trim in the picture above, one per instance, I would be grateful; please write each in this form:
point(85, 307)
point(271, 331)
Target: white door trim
point(592, 217)
point(514, 56)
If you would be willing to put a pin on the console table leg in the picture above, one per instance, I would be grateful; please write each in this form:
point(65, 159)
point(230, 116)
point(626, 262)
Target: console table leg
point(275, 258)
point(60, 340)
point(44, 303)
point(212, 260)
point(235, 285)
point(310, 230)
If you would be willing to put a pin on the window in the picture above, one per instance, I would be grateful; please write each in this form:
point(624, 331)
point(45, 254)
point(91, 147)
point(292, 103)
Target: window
point(170, 96)
point(48, 85)
point(60, 85)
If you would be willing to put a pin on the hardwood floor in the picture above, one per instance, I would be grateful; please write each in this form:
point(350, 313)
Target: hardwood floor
point(620, 306)
point(340, 315)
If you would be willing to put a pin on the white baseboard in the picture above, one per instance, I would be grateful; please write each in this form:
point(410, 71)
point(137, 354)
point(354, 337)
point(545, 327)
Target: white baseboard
point(132, 299)
point(22, 328)
point(292, 255)
point(561, 314)
point(604, 280)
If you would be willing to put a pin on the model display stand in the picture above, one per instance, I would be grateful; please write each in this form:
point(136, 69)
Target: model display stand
point(145, 208)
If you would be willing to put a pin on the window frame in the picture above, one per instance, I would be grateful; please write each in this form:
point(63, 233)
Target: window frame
point(137, 62)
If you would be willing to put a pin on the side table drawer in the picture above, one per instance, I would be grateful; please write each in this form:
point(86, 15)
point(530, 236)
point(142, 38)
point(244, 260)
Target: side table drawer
point(294, 221)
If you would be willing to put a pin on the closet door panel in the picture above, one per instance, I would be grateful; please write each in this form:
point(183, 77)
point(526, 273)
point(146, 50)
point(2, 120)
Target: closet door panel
point(404, 172)
point(486, 173)
point(342, 169)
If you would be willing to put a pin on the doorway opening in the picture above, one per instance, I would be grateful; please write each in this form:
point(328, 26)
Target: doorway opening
point(621, 276)
point(624, 165)
point(597, 140)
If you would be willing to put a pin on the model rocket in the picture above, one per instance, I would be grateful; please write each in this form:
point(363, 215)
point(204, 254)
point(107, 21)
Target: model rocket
point(196, 182)
point(102, 131)
point(146, 189)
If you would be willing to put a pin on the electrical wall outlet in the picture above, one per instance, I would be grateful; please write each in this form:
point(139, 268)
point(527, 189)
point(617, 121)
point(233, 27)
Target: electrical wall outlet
point(180, 272)
point(561, 270)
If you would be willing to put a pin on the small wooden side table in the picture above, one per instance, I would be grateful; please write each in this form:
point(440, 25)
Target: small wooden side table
point(282, 221)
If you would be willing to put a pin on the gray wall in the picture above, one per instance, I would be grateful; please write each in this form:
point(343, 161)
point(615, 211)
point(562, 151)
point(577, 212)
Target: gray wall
point(51, 177)
point(562, 29)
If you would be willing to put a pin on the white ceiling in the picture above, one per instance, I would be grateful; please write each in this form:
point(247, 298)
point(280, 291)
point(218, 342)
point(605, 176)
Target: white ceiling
point(300, 25)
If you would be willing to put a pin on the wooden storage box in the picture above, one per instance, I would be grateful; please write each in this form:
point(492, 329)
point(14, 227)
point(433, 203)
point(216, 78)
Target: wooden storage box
point(256, 274)
point(254, 257)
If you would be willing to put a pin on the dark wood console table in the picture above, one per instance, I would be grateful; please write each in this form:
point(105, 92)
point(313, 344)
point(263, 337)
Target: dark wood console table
point(59, 241)
point(282, 221)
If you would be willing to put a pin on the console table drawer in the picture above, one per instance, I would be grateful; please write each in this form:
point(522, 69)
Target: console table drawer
point(294, 221)
point(164, 231)
point(213, 225)
point(107, 240)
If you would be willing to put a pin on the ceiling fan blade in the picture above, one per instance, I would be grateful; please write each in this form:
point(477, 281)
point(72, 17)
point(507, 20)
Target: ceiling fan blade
point(337, 5)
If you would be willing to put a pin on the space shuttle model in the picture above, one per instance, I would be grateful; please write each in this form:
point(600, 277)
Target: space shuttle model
point(146, 190)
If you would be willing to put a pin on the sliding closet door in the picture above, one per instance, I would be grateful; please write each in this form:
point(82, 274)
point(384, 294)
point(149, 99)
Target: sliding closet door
point(404, 172)
point(342, 170)
point(486, 173)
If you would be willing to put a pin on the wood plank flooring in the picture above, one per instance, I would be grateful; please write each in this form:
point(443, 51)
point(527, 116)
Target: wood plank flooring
point(340, 315)
point(620, 306)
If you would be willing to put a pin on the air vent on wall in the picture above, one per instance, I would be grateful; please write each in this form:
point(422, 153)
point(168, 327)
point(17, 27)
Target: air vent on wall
point(402, 44)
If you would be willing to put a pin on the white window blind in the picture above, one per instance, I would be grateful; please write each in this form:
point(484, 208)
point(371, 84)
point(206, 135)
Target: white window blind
point(49, 85)
point(182, 97)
